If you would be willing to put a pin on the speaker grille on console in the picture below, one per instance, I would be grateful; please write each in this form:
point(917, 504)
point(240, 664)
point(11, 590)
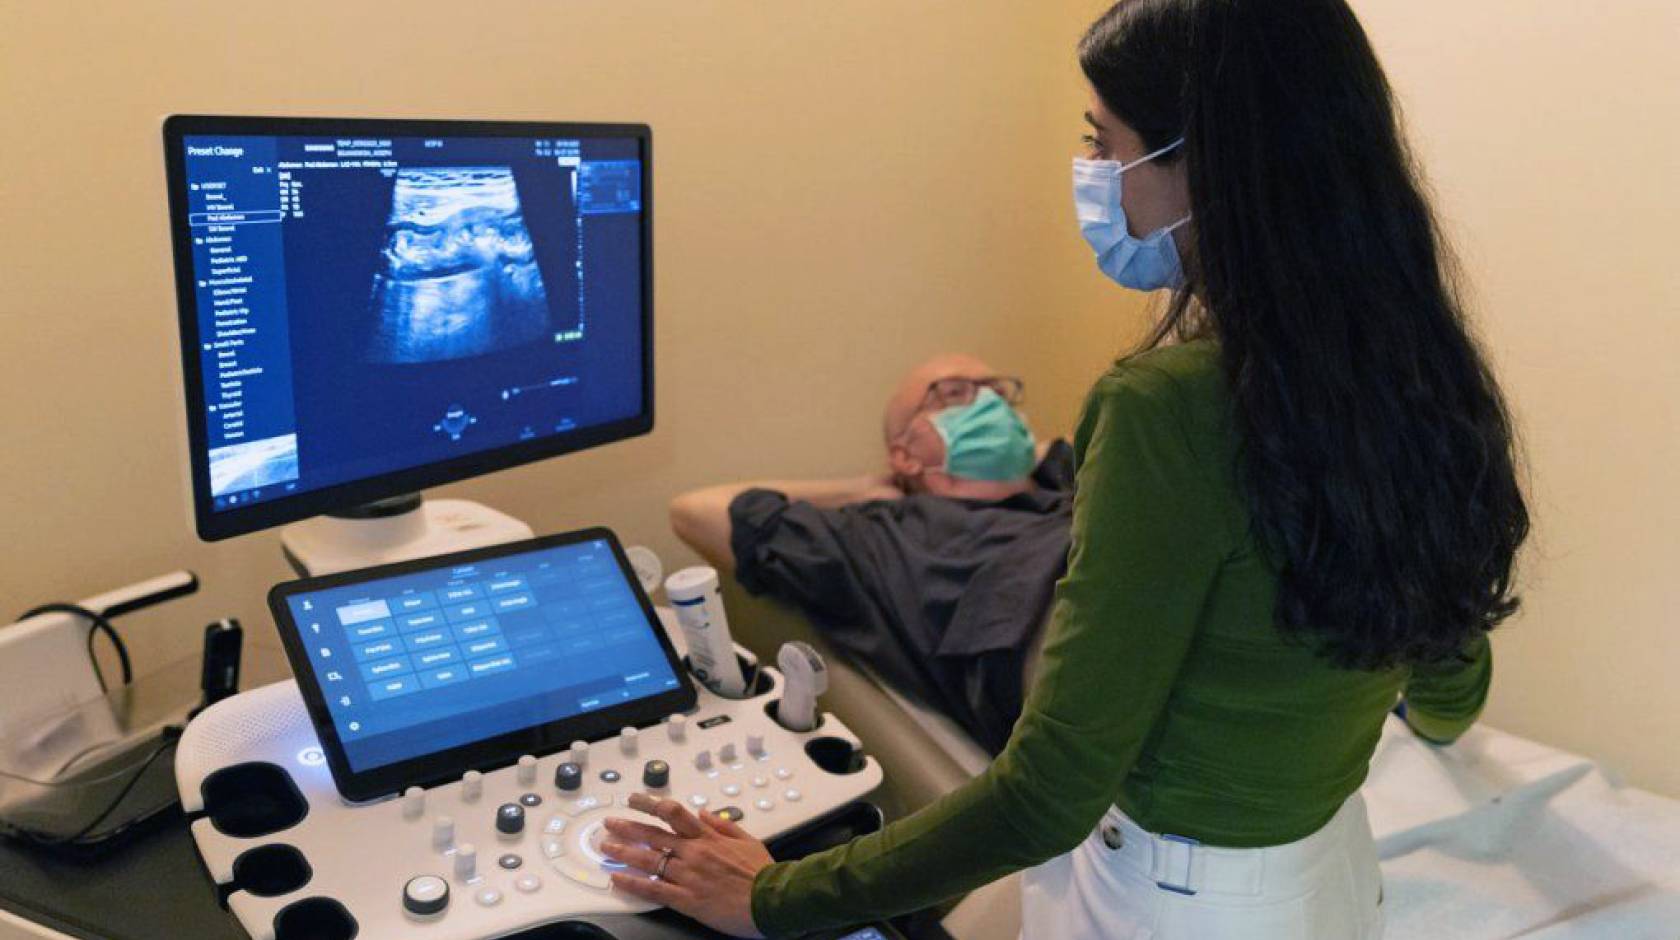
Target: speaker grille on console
point(237, 736)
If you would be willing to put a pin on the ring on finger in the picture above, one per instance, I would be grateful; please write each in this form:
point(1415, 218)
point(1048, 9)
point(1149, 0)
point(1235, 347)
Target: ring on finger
point(664, 859)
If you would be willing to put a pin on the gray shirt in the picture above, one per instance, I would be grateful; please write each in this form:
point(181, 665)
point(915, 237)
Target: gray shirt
point(942, 597)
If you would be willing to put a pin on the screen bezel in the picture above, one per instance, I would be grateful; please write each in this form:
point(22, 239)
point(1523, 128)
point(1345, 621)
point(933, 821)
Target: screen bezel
point(212, 524)
point(503, 749)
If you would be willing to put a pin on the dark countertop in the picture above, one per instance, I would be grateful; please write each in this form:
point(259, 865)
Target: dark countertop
point(153, 886)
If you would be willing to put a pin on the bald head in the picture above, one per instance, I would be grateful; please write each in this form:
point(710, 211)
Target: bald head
point(915, 451)
point(912, 389)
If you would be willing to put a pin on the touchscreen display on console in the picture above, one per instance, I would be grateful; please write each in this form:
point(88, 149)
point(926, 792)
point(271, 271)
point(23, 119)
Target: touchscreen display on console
point(417, 663)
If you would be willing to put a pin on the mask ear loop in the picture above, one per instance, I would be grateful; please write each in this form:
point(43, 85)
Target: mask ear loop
point(1168, 230)
point(1145, 159)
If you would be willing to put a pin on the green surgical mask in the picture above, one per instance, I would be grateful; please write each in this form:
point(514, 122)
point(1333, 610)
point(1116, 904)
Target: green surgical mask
point(985, 440)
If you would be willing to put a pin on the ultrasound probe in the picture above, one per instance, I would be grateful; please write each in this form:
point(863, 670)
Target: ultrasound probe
point(806, 678)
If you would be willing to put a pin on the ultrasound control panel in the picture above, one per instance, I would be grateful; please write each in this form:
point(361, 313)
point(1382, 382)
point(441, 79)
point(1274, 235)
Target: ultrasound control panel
point(498, 848)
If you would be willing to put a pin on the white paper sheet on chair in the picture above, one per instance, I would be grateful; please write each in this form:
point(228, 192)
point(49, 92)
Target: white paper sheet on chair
point(1499, 837)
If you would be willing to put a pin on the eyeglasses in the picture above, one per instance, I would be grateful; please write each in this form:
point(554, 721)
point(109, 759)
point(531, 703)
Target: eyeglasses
point(961, 390)
point(957, 391)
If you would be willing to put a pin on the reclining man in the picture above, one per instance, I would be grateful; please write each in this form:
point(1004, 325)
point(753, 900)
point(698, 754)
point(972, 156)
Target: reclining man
point(937, 573)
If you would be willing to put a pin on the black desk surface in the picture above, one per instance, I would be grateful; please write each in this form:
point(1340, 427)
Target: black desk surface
point(152, 887)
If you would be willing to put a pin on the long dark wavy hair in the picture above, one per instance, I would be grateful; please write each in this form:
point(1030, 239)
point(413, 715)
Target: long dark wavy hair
point(1377, 453)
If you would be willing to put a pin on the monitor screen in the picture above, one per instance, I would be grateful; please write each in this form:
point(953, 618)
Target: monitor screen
point(372, 307)
point(425, 658)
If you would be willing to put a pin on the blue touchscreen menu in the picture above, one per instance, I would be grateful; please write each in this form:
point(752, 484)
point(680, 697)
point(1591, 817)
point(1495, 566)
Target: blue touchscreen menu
point(420, 663)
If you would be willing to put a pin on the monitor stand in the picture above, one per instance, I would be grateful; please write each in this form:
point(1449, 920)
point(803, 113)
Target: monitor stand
point(396, 529)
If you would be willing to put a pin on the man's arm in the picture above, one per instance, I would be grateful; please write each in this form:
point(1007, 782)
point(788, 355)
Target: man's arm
point(701, 517)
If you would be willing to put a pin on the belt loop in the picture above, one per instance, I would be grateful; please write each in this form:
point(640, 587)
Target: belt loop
point(1175, 856)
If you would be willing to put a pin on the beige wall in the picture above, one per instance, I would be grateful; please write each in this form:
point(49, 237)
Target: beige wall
point(1550, 132)
point(842, 188)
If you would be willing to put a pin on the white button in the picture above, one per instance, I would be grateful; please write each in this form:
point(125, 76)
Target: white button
point(443, 833)
point(527, 770)
point(581, 805)
point(731, 789)
point(580, 753)
point(699, 800)
point(555, 825)
point(676, 728)
point(627, 741)
point(489, 897)
point(466, 861)
point(765, 803)
point(472, 786)
point(782, 773)
point(529, 884)
point(553, 848)
point(791, 795)
point(761, 782)
point(414, 803)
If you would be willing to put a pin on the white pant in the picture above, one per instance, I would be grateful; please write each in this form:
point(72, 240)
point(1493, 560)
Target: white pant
point(1122, 883)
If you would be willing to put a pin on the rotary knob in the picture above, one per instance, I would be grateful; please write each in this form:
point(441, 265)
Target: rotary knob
point(527, 772)
point(627, 741)
point(676, 728)
point(703, 760)
point(425, 895)
point(413, 803)
point(656, 775)
point(580, 753)
point(568, 776)
point(726, 753)
point(472, 786)
point(510, 819)
point(755, 745)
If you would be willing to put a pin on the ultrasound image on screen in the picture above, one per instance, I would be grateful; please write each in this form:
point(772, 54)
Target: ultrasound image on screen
point(459, 275)
point(370, 305)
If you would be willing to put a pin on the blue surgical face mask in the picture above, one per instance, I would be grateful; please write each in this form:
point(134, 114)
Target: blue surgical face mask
point(985, 440)
point(1148, 263)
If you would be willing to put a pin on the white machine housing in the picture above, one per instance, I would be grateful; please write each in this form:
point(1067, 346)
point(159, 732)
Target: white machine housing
point(330, 544)
point(362, 856)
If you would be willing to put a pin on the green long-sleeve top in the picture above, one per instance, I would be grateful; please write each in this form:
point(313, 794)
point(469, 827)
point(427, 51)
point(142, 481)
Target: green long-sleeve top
point(1164, 687)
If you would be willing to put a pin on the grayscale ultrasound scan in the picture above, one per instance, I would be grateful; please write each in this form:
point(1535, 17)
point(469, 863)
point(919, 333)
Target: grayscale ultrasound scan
point(459, 277)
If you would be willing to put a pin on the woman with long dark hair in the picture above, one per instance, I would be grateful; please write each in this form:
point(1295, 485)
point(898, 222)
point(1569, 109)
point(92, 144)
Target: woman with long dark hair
point(1296, 507)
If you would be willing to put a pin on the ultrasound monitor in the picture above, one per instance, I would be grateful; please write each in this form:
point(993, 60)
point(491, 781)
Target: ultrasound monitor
point(370, 307)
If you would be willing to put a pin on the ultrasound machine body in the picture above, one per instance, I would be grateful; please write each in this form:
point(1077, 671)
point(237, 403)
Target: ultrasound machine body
point(369, 308)
point(423, 821)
